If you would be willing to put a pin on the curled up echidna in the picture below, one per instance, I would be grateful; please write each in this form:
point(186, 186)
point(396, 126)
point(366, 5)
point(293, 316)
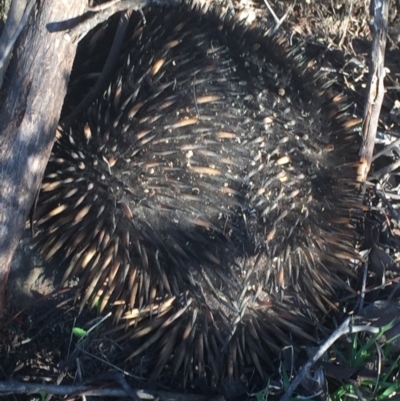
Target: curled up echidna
point(205, 197)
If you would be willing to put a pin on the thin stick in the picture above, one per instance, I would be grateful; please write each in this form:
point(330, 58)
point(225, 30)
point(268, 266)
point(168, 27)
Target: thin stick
point(386, 149)
point(375, 89)
point(102, 13)
point(343, 329)
point(15, 387)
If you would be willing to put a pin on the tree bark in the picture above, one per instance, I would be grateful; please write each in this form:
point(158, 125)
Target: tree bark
point(36, 86)
point(14, 18)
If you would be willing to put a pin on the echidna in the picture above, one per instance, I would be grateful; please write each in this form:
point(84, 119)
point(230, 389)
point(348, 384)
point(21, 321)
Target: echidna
point(205, 197)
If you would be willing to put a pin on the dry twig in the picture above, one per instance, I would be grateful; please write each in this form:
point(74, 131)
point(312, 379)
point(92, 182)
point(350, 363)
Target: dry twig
point(343, 329)
point(16, 387)
point(375, 89)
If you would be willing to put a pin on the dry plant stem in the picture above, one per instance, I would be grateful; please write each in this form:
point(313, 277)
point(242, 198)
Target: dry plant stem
point(271, 10)
point(120, 379)
point(386, 150)
point(393, 212)
point(375, 89)
point(386, 170)
point(346, 24)
point(363, 286)
point(34, 95)
point(79, 350)
point(15, 387)
point(343, 329)
point(278, 22)
point(99, 14)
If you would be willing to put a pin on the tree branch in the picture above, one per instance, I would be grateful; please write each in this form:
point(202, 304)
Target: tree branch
point(375, 89)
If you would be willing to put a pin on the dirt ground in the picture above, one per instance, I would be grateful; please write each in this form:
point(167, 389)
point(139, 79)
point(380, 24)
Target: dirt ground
point(36, 340)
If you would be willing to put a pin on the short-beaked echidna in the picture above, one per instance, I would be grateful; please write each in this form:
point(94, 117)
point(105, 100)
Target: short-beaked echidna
point(205, 197)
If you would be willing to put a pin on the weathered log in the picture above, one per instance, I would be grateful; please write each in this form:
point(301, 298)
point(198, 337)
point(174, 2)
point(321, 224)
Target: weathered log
point(35, 90)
